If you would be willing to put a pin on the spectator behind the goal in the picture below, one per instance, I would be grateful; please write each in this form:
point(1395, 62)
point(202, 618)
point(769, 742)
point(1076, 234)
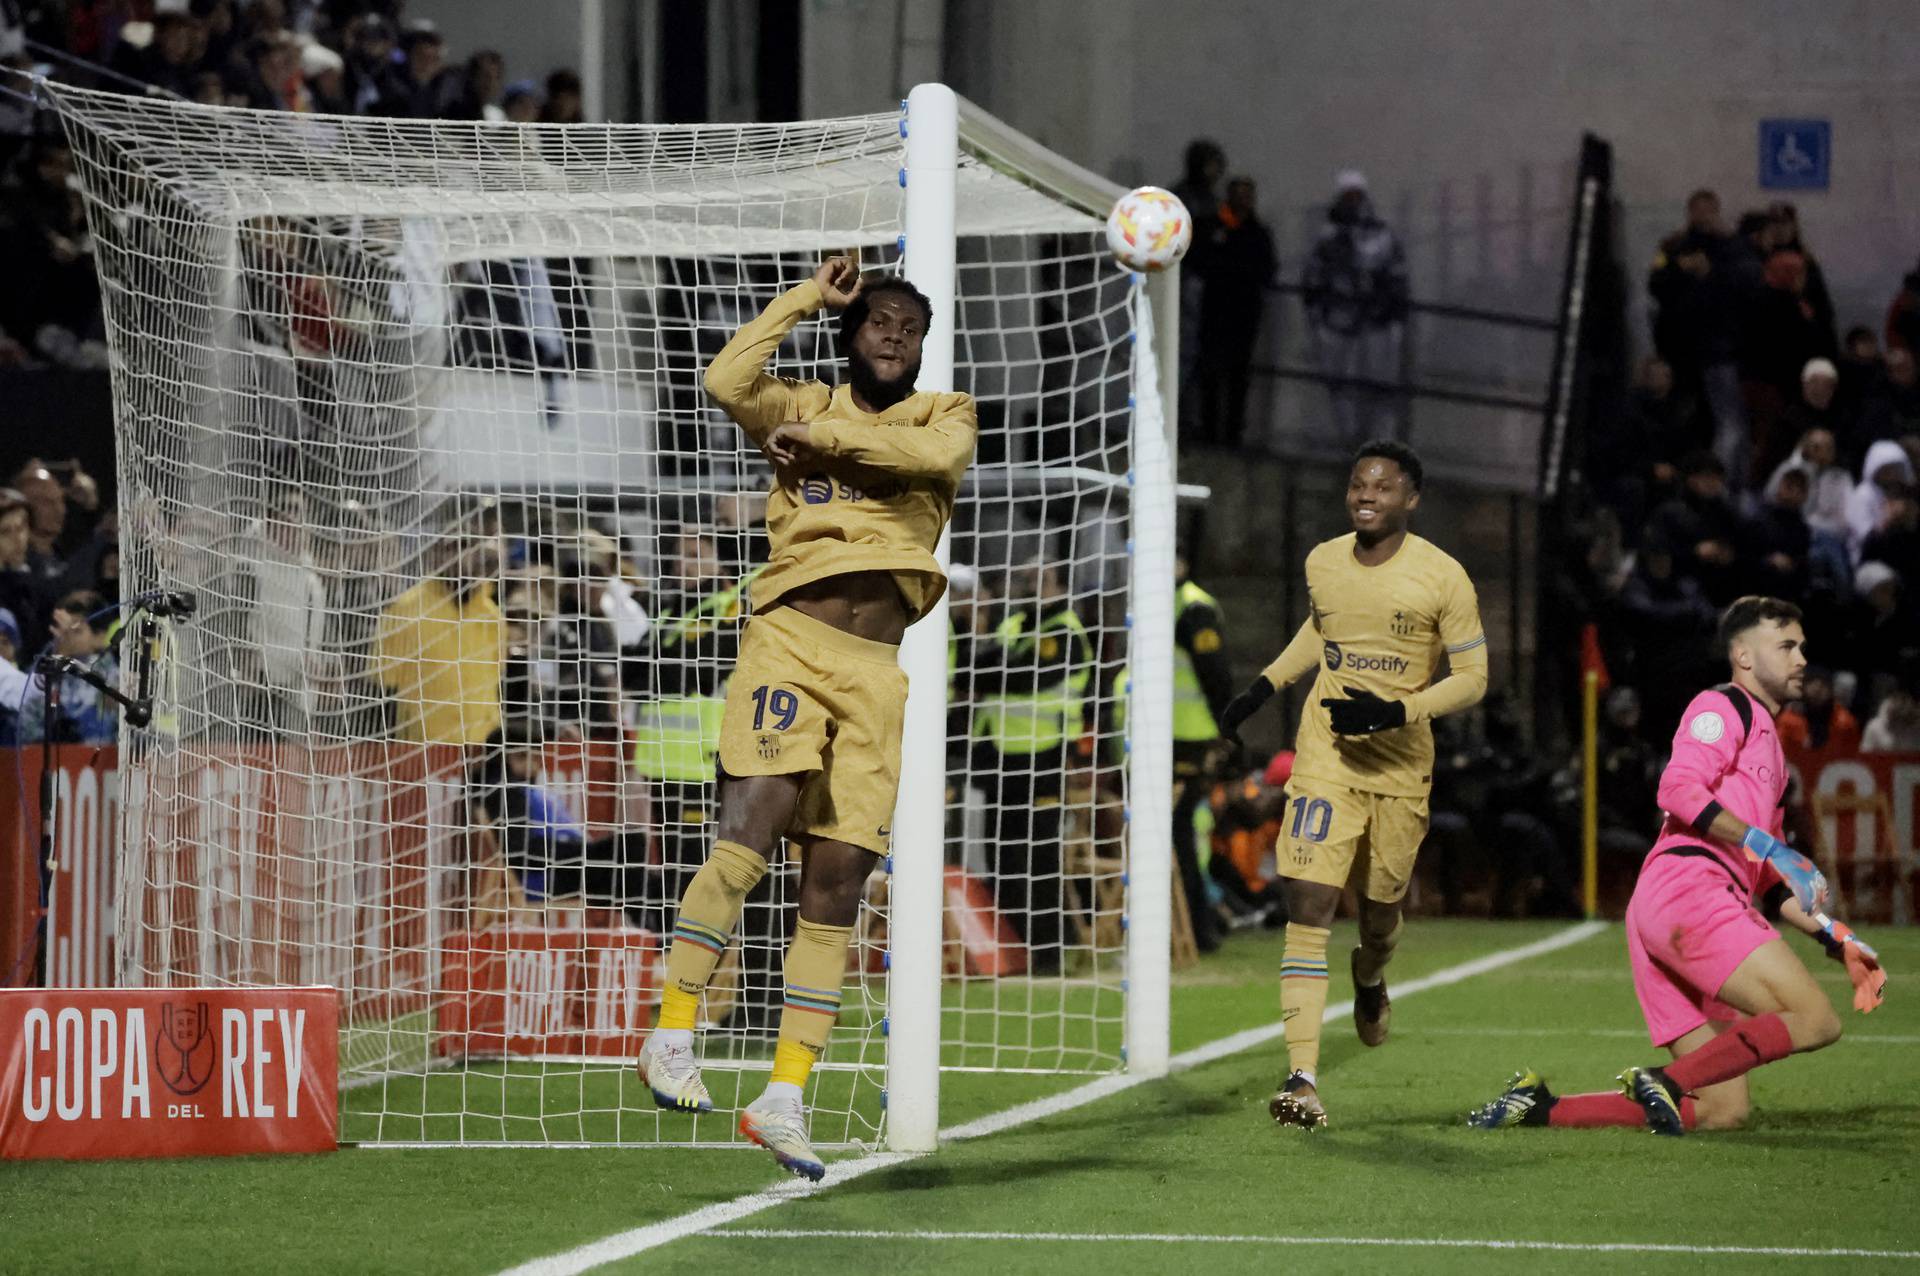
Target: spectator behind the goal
point(326, 75)
point(476, 93)
point(1896, 727)
point(1885, 471)
point(1356, 298)
point(369, 54)
point(170, 60)
point(286, 604)
point(563, 103)
point(420, 88)
point(1882, 636)
point(521, 102)
point(1703, 529)
point(1698, 280)
point(276, 82)
point(441, 646)
point(527, 828)
point(81, 623)
point(1895, 410)
point(21, 590)
point(1199, 189)
point(16, 685)
point(1238, 264)
point(1029, 681)
point(49, 538)
point(1817, 720)
point(51, 297)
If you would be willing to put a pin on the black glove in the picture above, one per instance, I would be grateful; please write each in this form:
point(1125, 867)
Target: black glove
point(1363, 713)
point(1244, 706)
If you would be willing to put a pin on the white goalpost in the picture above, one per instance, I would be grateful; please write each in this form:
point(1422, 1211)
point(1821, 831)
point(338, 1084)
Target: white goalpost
point(414, 410)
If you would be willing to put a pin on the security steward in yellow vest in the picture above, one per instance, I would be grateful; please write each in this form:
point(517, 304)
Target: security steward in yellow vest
point(1028, 682)
point(1202, 686)
point(696, 641)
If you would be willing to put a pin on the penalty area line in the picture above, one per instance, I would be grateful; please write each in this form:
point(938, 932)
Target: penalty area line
point(638, 1240)
point(1386, 1242)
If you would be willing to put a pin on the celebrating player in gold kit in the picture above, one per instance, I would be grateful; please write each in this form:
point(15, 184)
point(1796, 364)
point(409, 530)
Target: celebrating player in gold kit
point(865, 476)
point(1385, 606)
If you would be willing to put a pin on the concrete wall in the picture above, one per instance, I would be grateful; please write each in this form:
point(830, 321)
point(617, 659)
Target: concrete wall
point(1466, 115)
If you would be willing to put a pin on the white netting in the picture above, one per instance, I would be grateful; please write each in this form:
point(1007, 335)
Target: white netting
point(370, 374)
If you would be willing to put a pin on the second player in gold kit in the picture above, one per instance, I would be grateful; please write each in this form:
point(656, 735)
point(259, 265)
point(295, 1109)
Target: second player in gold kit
point(1388, 611)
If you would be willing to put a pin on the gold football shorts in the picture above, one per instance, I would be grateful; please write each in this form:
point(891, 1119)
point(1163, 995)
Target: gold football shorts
point(805, 696)
point(1335, 835)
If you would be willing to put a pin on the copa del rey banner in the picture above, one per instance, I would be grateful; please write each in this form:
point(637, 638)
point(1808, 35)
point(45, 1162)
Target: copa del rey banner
point(88, 1073)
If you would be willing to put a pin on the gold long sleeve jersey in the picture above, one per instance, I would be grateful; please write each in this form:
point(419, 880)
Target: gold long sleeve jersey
point(884, 488)
point(1383, 630)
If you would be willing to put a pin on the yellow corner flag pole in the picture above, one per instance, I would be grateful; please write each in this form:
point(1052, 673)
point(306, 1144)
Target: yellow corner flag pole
point(1590, 792)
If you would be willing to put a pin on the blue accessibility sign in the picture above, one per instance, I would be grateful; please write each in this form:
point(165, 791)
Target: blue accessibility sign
point(1795, 154)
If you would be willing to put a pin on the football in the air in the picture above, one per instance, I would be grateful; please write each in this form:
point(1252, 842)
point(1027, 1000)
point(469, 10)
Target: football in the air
point(1149, 229)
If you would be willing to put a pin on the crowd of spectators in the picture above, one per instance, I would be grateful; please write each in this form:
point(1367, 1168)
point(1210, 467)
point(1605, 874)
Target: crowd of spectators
point(1353, 286)
point(59, 585)
point(353, 57)
point(1762, 450)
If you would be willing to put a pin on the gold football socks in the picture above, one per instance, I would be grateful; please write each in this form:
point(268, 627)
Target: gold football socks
point(704, 928)
point(1303, 994)
point(816, 967)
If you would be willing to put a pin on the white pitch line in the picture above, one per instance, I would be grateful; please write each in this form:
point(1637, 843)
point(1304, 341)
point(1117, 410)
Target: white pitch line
point(609, 1249)
point(1388, 1242)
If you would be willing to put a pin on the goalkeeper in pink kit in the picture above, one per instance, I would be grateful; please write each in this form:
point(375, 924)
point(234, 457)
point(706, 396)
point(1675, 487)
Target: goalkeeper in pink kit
point(1719, 987)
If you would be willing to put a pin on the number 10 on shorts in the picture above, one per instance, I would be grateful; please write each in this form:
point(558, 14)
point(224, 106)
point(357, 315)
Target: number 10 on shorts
point(1312, 817)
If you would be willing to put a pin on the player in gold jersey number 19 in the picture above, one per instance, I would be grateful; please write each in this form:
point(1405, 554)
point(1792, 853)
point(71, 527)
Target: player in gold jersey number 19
point(1386, 606)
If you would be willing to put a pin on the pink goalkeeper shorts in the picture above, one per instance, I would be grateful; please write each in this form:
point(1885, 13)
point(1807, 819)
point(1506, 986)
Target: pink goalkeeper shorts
point(1688, 928)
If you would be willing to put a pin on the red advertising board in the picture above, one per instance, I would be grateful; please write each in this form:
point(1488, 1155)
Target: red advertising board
point(576, 991)
point(80, 887)
point(1878, 867)
point(264, 865)
point(91, 1073)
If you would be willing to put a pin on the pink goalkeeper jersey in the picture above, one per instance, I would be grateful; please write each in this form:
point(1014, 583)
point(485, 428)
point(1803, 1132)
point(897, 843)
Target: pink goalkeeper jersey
point(1721, 762)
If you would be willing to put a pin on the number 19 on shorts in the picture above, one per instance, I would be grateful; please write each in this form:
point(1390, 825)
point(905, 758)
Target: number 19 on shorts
point(781, 703)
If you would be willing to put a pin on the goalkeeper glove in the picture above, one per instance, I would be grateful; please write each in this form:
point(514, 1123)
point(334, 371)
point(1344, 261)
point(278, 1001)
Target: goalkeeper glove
point(1363, 713)
point(1244, 706)
point(1862, 963)
point(1808, 884)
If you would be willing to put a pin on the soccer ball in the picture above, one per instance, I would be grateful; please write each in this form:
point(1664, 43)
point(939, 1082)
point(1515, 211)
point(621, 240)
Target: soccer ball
point(1149, 229)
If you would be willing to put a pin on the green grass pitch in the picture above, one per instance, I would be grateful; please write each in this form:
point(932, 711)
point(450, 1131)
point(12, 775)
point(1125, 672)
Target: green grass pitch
point(1831, 1161)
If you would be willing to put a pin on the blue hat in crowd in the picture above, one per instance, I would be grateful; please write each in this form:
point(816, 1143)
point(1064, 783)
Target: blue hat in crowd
point(10, 627)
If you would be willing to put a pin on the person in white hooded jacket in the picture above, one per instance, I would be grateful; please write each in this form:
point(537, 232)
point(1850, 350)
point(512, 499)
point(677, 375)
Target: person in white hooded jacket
point(1886, 467)
point(1829, 487)
point(1829, 483)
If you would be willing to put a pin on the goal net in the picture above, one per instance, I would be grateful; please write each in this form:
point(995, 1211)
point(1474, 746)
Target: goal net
point(415, 410)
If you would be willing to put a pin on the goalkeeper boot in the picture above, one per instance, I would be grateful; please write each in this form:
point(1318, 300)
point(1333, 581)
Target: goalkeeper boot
point(1656, 1096)
point(1372, 1009)
point(1297, 1103)
point(1526, 1102)
point(673, 1074)
point(780, 1126)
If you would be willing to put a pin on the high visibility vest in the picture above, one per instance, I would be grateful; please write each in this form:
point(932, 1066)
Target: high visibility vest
point(677, 737)
point(1192, 718)
point(1022, 725)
